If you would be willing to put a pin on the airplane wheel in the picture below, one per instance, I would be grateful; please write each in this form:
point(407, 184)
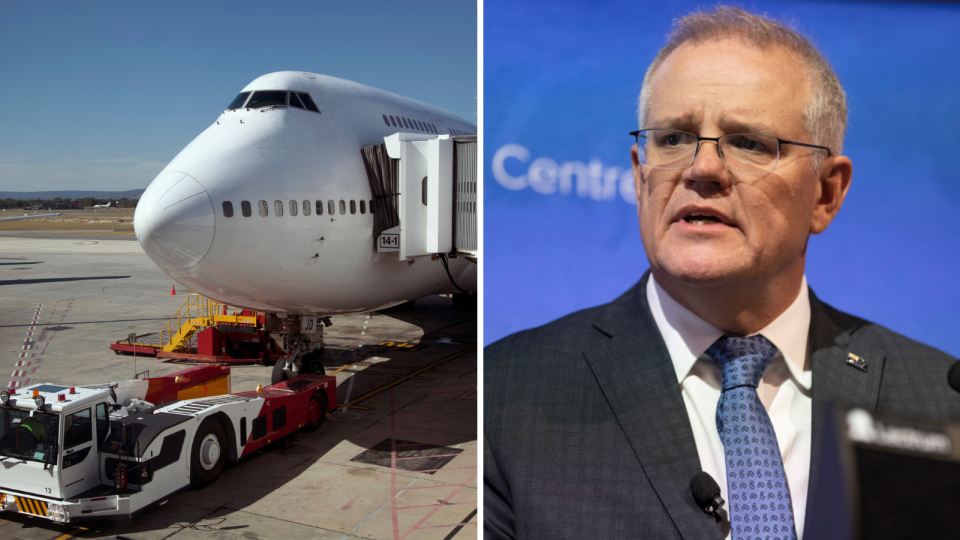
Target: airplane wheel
point(316, 412)
point(278, 374)
point(208, 454)
point(311, 363)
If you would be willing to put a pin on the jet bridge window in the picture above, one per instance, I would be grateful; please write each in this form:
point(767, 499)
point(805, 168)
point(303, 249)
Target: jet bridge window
point(264, 209)
point(308, 102)
point(293, 207)
point(245, 208)
point(238, 101)
point(278, 208)
point(227, 209)
point(319, 208)
point(306, 207)
point(267, 98)
point(343, 207)
point(295, 101)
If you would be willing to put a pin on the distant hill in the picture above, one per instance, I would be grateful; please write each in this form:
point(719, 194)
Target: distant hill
point(47, 195)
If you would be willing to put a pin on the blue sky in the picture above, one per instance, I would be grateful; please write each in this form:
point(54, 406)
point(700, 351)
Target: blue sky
point(100, 95)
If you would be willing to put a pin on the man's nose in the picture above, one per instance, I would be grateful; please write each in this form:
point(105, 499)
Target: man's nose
point(707, 166)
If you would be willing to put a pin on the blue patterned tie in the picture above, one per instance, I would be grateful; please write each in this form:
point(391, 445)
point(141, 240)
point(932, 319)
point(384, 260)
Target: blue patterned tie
point(756, 484)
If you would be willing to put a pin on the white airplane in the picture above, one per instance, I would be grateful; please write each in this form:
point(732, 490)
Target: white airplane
point(110, 204)
point(30, 216)
point(253, 212)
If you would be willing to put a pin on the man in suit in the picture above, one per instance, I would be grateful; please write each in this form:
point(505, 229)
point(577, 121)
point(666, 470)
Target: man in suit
point(594, 424)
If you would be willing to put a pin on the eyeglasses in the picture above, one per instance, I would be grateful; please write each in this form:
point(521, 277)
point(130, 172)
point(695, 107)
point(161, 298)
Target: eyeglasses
point(749, 153)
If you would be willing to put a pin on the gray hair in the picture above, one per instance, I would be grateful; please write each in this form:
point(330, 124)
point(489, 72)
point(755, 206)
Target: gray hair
point(825, 117)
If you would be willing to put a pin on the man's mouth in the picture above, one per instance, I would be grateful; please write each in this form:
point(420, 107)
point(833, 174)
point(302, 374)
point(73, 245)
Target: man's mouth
point(701, 220)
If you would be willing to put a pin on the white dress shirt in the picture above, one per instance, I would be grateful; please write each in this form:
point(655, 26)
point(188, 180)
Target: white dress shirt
point(784, 389)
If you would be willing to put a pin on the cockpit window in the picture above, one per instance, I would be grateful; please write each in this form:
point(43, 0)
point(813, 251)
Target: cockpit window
point(238, 101)
point(308, 102)
point(295, 101)
point(266, 98)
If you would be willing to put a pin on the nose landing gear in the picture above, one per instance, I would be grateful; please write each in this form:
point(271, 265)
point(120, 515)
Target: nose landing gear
point(303, 341)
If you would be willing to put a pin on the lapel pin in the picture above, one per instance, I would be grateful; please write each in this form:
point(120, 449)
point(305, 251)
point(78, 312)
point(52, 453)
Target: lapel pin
point(857, 362)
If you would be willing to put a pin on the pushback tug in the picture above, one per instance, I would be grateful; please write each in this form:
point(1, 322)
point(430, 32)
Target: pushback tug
point(114, 450)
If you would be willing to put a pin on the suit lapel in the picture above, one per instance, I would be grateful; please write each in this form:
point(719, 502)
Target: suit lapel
point(633, 369)
point(835, 381)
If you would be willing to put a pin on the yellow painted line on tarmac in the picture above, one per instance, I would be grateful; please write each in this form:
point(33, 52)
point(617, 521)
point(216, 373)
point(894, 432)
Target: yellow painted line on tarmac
point(76, 532)
point(387, 386)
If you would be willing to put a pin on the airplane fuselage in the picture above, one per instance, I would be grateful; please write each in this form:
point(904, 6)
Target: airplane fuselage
point(269, 207)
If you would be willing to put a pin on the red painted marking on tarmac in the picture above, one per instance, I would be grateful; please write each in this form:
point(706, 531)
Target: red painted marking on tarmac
point(23, 354)
point(393, 472)
point(432, 505)
point(446, 526)
point(443, 503)
point(349, 504)
point(34, 370)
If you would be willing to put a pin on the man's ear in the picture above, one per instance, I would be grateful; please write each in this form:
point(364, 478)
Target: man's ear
point(833, 183)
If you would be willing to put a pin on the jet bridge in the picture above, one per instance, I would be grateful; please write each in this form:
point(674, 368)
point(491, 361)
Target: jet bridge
point(425, 194)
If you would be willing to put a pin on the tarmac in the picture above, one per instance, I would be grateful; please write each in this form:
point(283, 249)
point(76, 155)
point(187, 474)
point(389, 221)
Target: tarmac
point(397, 461)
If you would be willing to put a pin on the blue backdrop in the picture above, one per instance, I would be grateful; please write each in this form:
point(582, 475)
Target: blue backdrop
point(561, 81)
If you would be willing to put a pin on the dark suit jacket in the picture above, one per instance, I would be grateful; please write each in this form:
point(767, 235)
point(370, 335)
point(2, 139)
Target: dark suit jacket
point(586, 434)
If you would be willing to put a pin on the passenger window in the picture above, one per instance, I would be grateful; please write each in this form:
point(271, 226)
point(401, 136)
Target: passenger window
point(293, 207)
point(267, 98)
point(363, 206)
point(306, 207)
point(278, 208)
point(385, 121)
point(245, 208)
point(371, 206)
point(423, 191)
point(238, 101)
point(343, 207)
point(227, 209)
point(353, 206)
point(295, 101)
point(319, 208)
point(393, 121)
point(78, 429)
point(263, 208)
point(308, 102)
point(330, 209)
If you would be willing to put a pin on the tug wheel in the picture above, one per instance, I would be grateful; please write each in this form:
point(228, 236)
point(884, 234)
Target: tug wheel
point(208, 454)
point(316, 411)
point(278, 374)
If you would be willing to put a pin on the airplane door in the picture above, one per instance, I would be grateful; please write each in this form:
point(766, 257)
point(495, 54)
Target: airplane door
point(79, 466)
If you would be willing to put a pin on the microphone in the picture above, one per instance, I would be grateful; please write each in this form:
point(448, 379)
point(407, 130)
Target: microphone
point(953, 376)
point(707, 493)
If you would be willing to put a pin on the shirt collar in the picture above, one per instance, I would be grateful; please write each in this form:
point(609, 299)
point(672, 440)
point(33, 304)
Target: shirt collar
point(687, 336)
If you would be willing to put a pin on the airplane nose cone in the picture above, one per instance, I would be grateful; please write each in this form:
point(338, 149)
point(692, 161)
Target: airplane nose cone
point(174, 222)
